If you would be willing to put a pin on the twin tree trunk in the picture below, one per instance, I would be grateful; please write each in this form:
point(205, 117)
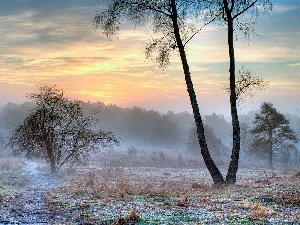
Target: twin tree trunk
point(212, 168)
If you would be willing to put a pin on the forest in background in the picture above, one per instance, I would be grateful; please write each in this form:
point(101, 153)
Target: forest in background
point(149, 138)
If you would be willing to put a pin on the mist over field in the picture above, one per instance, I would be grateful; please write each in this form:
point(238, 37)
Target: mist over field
point(155, 176)
point(150, 138)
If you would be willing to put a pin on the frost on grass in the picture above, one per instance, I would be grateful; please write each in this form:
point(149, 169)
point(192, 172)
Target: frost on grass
point(147, 195)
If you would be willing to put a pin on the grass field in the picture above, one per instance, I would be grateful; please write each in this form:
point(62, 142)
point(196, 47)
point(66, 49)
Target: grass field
point(144, 195)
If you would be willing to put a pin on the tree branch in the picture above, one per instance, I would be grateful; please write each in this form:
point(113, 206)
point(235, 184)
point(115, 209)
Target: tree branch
point(202, 28)
point(244, 10)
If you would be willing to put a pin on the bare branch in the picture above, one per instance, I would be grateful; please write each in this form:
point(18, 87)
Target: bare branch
point(247, 85)
point(244, 10)
point(206, 23)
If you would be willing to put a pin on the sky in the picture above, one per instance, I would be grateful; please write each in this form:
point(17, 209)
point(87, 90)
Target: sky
point(45, 43)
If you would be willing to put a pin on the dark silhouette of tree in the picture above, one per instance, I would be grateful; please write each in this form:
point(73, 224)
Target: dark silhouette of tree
point(169, 20)
point(58, 131)
point(271, 129)
point(232, 14)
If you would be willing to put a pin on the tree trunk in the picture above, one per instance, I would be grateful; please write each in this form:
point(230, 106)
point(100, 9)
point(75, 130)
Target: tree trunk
point(233, 166)
point(50, 155)
point(214, 171)
point(53, 168)
point(270, 150)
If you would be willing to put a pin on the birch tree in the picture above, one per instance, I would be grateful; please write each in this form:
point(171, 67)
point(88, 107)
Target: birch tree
point(170, 24)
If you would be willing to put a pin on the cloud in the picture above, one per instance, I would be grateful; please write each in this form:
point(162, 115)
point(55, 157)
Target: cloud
point(294, 64)
point(279, 8)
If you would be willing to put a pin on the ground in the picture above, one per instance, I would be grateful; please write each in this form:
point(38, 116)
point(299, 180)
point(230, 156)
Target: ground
point(144, 195)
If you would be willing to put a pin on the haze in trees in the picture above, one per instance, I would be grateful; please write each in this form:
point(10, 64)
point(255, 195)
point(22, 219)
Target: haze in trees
point(215, 144)
point(153, 132)
point(57, 130)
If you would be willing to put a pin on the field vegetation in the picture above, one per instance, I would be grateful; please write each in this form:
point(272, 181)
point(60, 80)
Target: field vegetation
point(107, 193)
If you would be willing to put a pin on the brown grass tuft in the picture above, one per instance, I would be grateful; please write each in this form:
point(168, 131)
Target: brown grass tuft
point(132, 218)
point(183, 203)
point(205, 199)
point(258, 210)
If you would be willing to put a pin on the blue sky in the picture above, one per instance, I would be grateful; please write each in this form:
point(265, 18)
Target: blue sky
point(55, 43)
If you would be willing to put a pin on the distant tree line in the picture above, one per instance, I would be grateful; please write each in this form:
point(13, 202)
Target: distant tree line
point(170, 133)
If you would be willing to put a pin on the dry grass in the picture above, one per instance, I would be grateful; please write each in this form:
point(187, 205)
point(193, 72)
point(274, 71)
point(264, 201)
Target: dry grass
point(100, 183)
point(132, 218)
point(124, 189)
point(258, 210)
point(10, 163)
point(291, 198)
point(115, 182)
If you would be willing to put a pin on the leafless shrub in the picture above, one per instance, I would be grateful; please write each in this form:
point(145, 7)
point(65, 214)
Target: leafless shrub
point(123, 186)
point(106, 182)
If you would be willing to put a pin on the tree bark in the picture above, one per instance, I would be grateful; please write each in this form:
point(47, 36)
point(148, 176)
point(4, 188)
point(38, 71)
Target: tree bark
point(212, 168)
point(50, 155)
point(233, 166)
point(270, 150)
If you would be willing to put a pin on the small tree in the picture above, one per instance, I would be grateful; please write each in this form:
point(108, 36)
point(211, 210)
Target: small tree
point(271, 129)
point(57, 130)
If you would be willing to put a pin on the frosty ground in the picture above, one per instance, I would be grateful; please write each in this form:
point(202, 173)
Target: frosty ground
point(112, 194)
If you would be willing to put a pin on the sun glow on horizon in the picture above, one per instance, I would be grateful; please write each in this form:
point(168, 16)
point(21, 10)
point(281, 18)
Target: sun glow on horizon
point(37, 49)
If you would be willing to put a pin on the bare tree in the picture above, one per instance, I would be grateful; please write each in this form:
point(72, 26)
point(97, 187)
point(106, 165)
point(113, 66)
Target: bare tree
point(170, 20)
point(57, 130)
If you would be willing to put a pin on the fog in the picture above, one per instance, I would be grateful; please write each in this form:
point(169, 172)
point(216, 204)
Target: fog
point(155, 176)
point(151, 138)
